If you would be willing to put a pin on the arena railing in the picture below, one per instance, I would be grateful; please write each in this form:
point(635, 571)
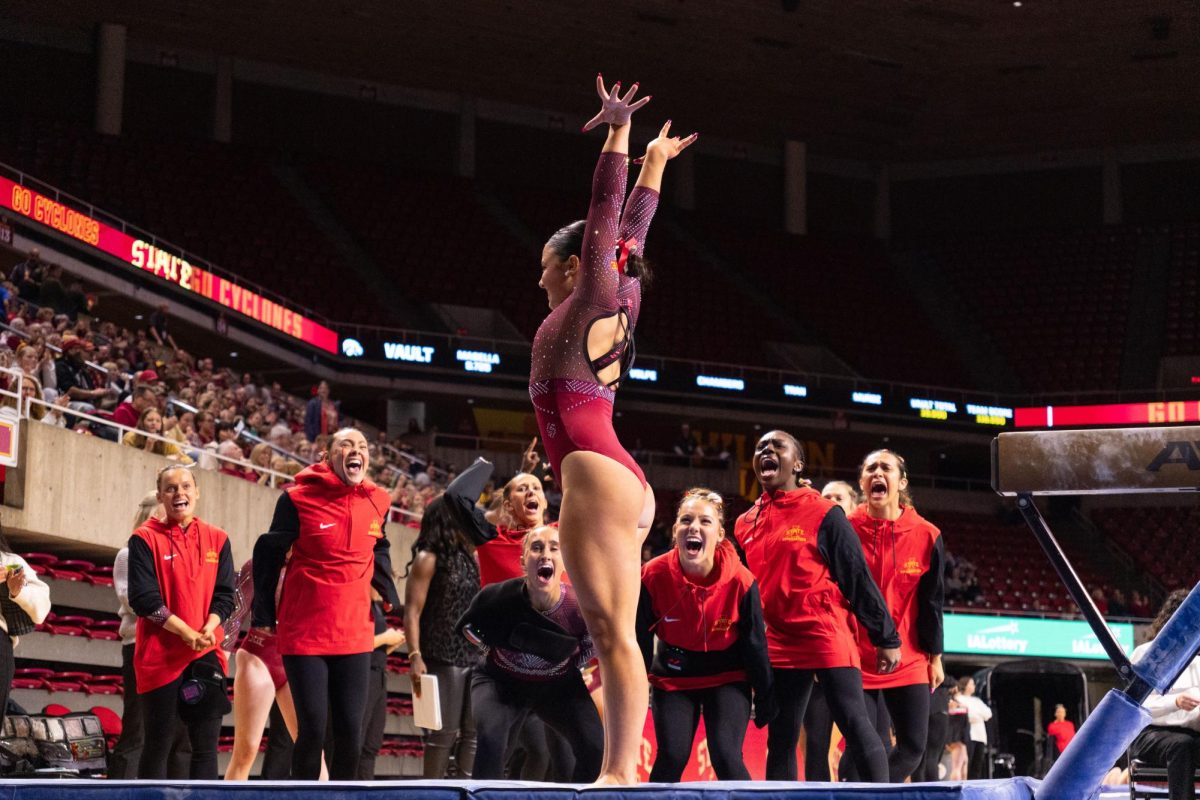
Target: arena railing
point(205, 455)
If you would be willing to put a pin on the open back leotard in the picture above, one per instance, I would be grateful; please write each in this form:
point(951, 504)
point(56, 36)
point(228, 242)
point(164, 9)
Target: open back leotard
point(573, 407)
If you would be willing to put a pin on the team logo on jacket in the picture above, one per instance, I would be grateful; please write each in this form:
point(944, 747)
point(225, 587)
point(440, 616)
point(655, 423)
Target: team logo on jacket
point(722, 624)
point(911, 567)
point(211, 557)
point(375, 530)
point(795, 534)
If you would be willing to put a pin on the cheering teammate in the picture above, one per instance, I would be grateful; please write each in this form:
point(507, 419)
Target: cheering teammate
point(905, 555)
point(704, 607)
point(582, 350)
point(813, 580)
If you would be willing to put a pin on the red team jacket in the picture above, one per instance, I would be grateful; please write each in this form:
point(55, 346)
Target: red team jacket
point(813, 580)
point(710, 632)
point(906, 560)
point(339, 550)
point(186, 569)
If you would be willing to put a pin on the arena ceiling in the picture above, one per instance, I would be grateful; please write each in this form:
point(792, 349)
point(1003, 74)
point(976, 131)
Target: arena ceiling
point(889, 80)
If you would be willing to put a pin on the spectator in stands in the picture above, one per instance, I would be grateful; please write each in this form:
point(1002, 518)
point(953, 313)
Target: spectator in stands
point(206, 427)
point(978, 714)
point(260, 463)
point(333, 522)
point(123, 763)
point(24, 604)
point(150, 422)
point(159, 322)
point(73, 378)
point(27, 276)
point(688, 444)
point(232, 462)
point(701, 667)
point(535, 643)
point(181, 586)
point(1139, 605)
point(904, 554)
point(814, 583)
point(1100, 600)
point(1173, 736)
point(1117, 605)
point(129, 412)
point(321, 414)
point(38, 364)
point(52, 293)
point(443, 577)
point(1059, 734)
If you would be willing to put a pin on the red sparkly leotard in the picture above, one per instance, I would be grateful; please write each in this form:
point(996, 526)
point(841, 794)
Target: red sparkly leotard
point(573, 407)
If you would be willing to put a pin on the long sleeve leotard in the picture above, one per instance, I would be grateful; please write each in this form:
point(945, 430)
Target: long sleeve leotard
point(574, 408)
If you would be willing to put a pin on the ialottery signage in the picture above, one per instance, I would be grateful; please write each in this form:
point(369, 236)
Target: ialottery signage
point(1026, 637)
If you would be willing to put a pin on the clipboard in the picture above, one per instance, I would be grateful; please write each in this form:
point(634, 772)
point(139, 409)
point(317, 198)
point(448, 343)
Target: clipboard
point(427, 710)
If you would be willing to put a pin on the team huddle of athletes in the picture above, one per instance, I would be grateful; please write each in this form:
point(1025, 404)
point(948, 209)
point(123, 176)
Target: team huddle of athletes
point(799, 590)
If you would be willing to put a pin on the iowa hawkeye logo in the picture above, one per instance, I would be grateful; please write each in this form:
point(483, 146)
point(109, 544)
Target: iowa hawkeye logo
point(795, 534)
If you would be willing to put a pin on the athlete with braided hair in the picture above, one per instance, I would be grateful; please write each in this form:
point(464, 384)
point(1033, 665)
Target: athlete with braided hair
point(582, 350)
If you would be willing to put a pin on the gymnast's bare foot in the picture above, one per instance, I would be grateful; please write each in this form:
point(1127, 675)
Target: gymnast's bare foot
point(613, 779)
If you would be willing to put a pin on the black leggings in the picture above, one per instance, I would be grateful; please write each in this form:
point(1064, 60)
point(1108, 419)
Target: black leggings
point(160, 721)
point(843, 690)
point(502, 703)
point(818, 735)
point(726, 711)
point(935, 745)
point(322, 685)
point(906, 710)
point(374, 721)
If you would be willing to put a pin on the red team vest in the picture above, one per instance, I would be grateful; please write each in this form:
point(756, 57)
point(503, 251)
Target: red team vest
point(695, 615)
point(898, 555)
point(809, 622)
point(185, 565)
point(325, 605)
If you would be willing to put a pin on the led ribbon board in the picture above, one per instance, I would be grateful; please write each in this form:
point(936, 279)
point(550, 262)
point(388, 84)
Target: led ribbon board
point(976, 634)
point(144, 256)
point(1153, 413)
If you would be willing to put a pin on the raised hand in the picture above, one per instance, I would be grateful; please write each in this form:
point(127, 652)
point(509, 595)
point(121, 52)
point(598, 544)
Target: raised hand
point(664, 147)
point(614, 109)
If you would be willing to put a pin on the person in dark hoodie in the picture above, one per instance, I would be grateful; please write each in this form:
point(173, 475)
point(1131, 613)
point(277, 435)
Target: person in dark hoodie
point(704, 607)
point(332, 518)
point(906, 557)
point(814, 583)
point(535, 643)
point(181, 585)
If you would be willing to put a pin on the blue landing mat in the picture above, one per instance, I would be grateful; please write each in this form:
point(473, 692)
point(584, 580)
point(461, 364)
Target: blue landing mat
point(1012, 789)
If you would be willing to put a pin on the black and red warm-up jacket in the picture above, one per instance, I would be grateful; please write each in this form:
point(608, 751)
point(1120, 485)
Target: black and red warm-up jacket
point(339, 552)
point(710, 631)
point(907, 561)
point(187, 573)
point(813, 579)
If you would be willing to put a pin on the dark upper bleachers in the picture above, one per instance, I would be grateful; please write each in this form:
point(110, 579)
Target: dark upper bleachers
point(217, 202)
point(1055, 303)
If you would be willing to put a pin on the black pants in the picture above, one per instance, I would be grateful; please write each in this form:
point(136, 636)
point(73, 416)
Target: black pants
point(908, 709)
point(539, 754)
point(1178, 749)
point(458, 723)
point(976, 760)
point(843, 690)
point(325, 688)
point(501, 705)
point(8, 667)
point(277, 761)
point(818, 735)
point(123, 763)
point(935, 745)
point(161, 721)
point(374, 721)
point(726, 711)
